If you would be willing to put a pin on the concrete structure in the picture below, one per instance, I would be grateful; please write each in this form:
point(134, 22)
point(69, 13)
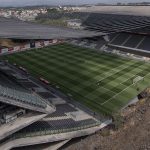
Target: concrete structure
point(12, 127)
point(125, 10)
point(63, 121)
point(22, 30)
point(46, 146)
point(51, 138)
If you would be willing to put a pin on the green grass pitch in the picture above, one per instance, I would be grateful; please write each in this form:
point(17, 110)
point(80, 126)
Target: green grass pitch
point(102, 82)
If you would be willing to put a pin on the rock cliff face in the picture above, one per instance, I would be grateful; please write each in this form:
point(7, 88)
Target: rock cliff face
point(6, 43)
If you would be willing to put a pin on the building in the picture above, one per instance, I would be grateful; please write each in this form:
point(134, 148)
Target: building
point(74, 23)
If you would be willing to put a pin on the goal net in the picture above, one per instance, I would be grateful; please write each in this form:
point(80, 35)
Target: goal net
point(137, 79)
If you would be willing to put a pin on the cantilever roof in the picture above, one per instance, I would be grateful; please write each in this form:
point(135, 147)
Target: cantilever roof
point(10, 28)
point(110, 23)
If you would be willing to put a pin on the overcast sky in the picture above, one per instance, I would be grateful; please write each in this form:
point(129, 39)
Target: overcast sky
point(58, 2)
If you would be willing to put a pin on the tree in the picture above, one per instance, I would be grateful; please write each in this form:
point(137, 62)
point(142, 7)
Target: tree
point(118, 120)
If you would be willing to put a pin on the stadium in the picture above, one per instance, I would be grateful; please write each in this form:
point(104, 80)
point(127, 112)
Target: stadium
point(67, 83)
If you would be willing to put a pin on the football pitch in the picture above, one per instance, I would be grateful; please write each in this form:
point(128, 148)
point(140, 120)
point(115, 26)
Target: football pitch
point(102, 82)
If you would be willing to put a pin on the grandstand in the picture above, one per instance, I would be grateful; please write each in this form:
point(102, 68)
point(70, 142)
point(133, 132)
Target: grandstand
point(11, 92)
point(54, 125)
point(135, 43)
point(127, 33)
point(24, 97)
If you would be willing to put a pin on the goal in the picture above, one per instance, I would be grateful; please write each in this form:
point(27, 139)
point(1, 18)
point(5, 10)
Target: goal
point(137, 79)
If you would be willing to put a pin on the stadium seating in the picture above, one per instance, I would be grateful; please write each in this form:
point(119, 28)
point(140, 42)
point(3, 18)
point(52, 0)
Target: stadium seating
point(61, 110)
point(23, 97)
point(58, 125)
point(133, 41)
point(6, 81)
point(46, 95)
point(120, 39)
point(145, 44)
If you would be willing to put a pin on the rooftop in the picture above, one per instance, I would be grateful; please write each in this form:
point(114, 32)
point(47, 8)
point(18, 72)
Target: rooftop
point(18, 29)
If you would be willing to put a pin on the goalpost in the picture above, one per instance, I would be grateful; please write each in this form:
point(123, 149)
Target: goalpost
point(137, 79)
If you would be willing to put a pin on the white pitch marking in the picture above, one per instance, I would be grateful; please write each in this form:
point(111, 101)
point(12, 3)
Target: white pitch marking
point(121, 91)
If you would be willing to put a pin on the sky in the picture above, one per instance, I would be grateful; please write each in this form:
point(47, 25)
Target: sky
point(59, 2)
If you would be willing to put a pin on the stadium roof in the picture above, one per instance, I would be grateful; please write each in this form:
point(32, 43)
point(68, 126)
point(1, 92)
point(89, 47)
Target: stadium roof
point(18, 29)
point(122, 10)
point(110, 23)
